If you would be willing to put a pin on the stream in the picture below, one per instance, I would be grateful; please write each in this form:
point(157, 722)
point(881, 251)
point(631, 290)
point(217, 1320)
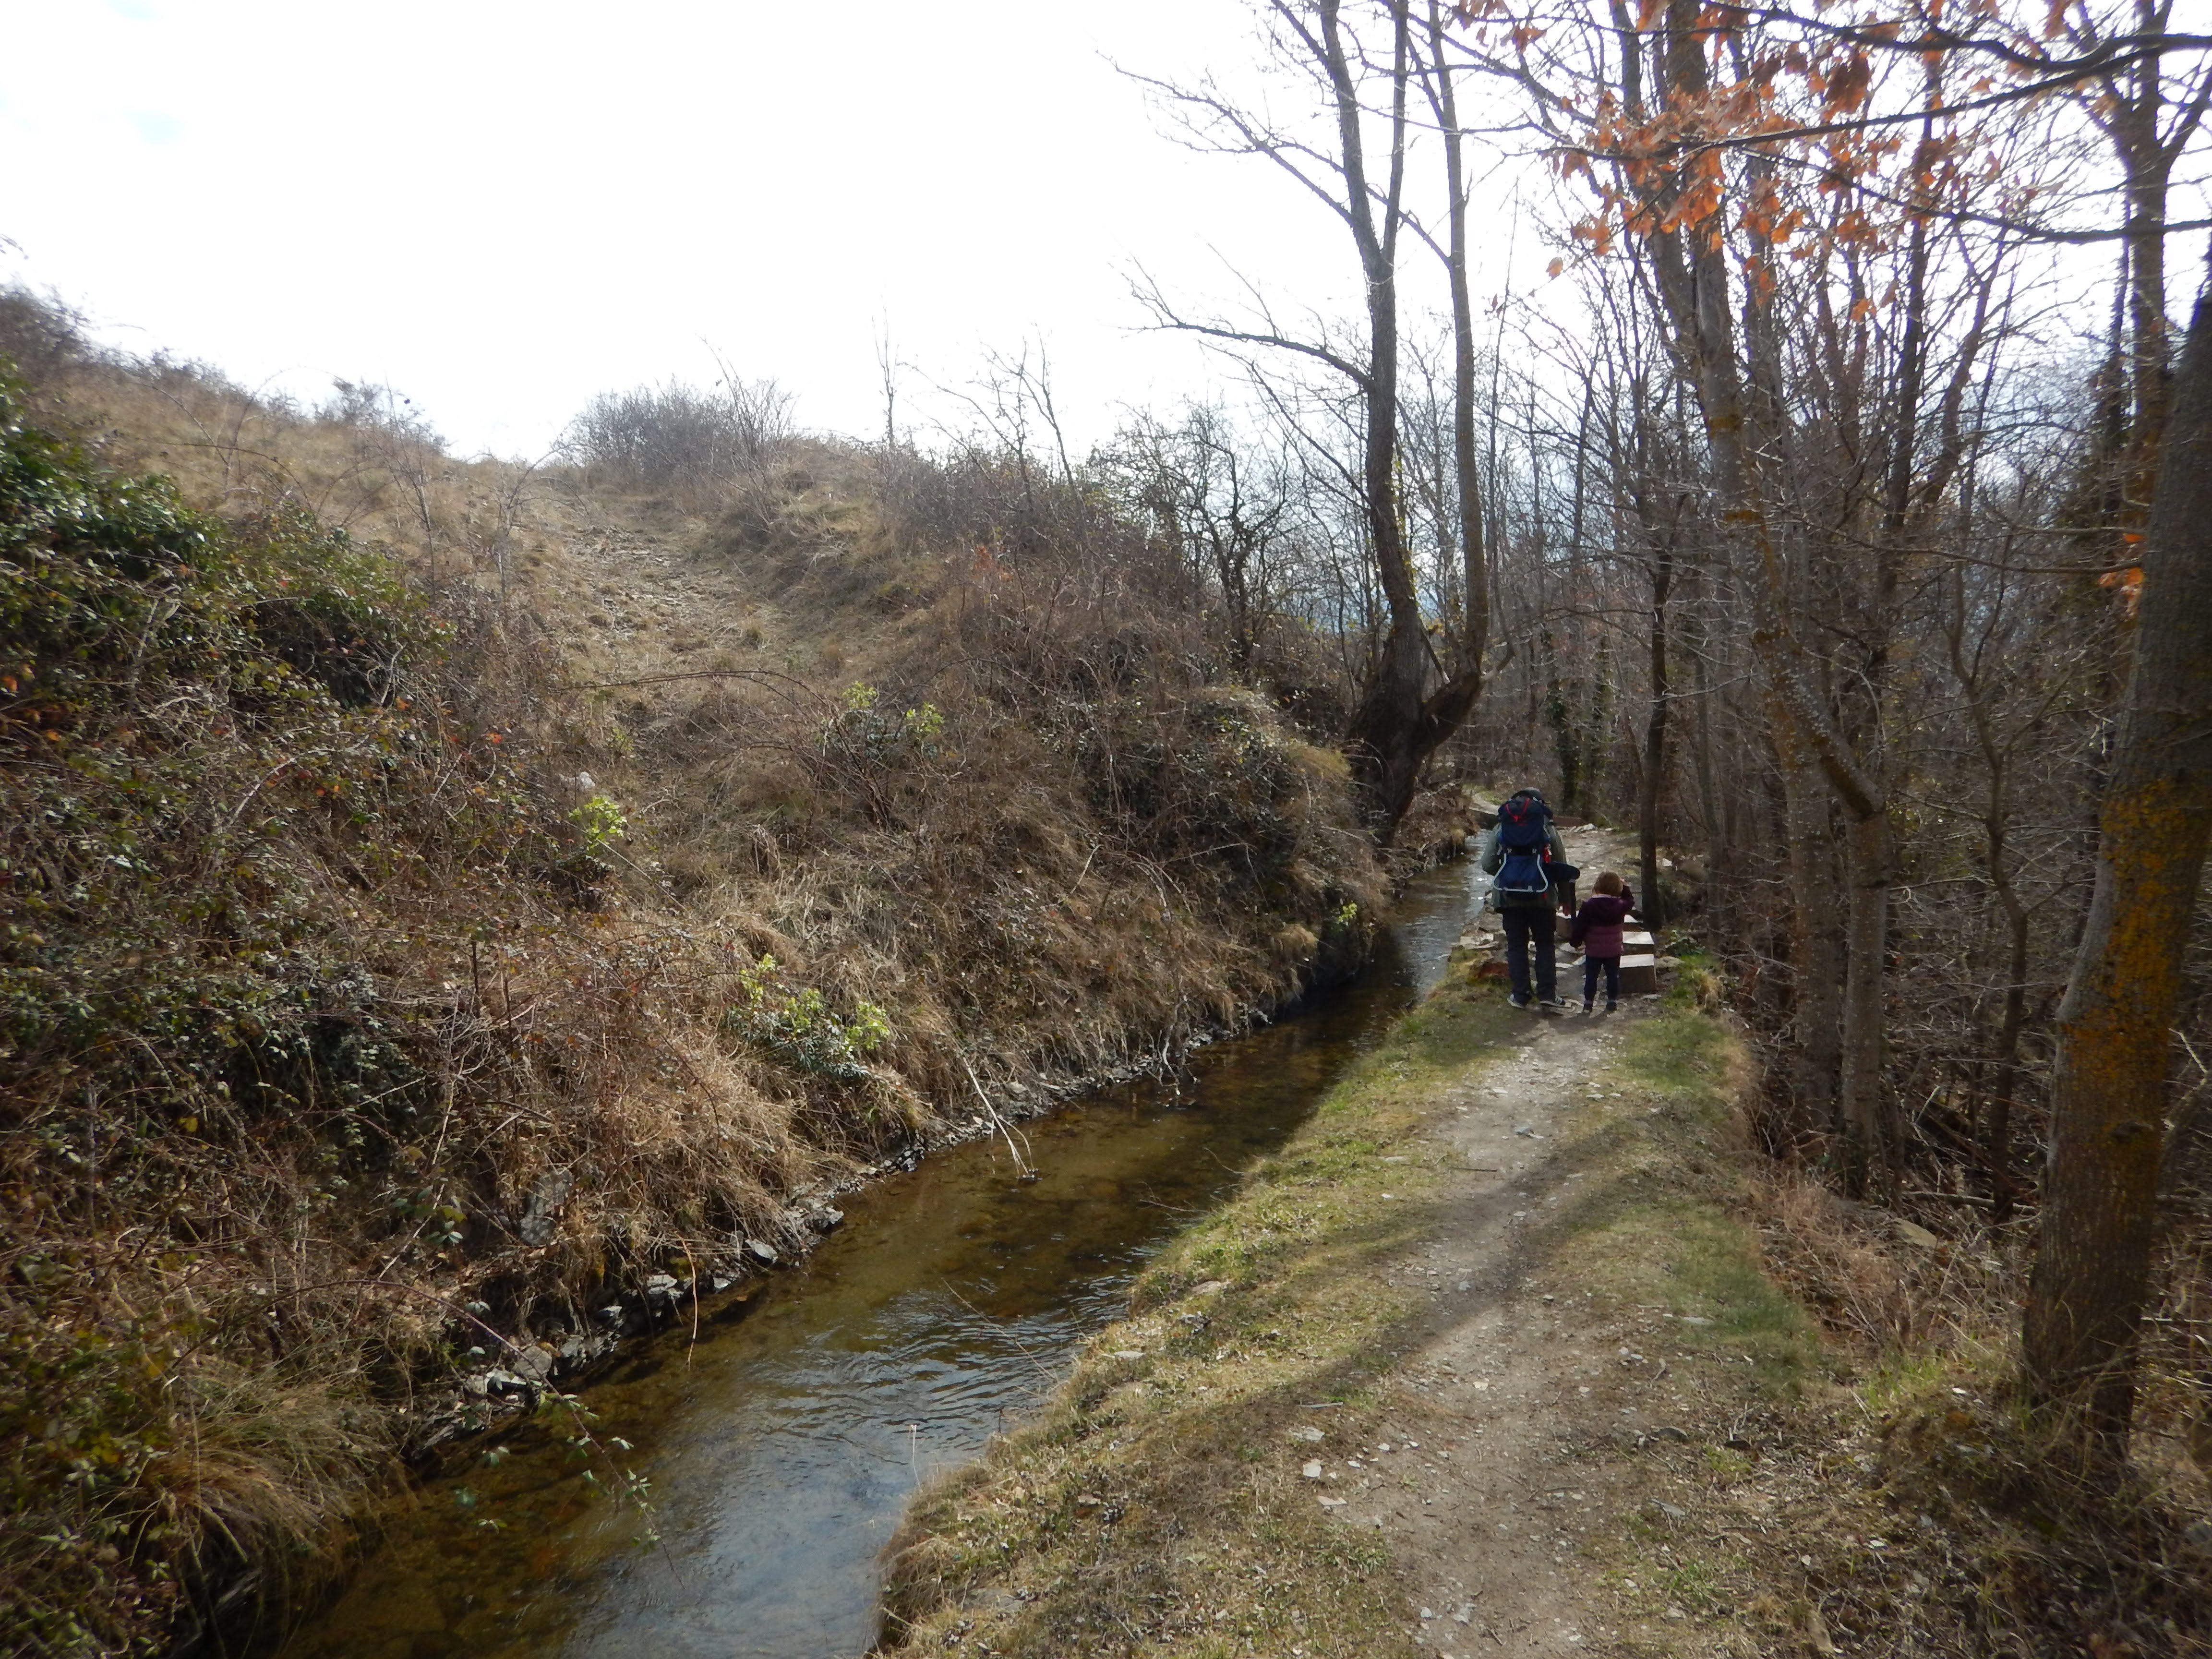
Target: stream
point(783, 1443)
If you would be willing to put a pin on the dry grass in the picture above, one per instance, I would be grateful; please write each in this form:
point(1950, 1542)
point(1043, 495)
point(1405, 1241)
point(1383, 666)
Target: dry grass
point(1866, 1484)
point(1898, 1500)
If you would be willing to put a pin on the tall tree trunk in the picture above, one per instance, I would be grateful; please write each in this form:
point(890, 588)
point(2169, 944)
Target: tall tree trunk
point(1397, 725)
point(1655, 739)
point(1816, 947)
point(1997, 854)
point(1475, 622)
point(2109, 1086)
point(2149, 165)
point(1870, 1130)
point(1692, 274)
point(1718, 907)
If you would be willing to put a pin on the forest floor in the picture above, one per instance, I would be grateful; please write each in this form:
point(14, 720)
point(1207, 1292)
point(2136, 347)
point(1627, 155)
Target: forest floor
point(1484, 1362)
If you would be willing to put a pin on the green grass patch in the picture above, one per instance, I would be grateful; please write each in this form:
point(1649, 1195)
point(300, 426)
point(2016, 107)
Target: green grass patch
point(1658, 1225)
point(1158, 1508)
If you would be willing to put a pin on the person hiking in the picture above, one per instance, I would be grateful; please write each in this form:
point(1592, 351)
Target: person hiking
point(1527, 862)
point(1598, 927)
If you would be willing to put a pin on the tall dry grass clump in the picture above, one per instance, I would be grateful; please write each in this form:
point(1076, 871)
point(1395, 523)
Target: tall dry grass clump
point(2007, 1541)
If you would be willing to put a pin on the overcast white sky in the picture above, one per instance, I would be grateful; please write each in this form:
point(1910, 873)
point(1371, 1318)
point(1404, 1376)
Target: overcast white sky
point(500, 209)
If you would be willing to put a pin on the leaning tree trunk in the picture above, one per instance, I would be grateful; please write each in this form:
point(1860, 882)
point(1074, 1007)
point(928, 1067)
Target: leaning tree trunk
point(2109, 1086)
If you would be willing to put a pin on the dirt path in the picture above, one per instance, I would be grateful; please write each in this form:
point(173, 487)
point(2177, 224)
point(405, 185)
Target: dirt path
point(1480, 1364)
point(1539, 1400)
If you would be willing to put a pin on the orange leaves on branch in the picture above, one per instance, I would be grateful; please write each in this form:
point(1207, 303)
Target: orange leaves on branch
point(1762, 215)
point(1597, 232)
point(2128, 583)
point(1555, 267)
point(1843, 89)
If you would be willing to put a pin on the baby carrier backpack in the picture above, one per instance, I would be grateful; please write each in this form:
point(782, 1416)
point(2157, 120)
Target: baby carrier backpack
point(1524, 847)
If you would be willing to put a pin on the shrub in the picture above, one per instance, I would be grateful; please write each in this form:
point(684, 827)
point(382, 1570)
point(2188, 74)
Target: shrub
point(799, 1027)
point(681, 436)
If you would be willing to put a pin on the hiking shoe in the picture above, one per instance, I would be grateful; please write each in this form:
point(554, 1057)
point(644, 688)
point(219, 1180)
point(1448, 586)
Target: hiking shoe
point(1551, 1005)
point(1586, 1007)
point(1610, 1004)
point(1518, 1001)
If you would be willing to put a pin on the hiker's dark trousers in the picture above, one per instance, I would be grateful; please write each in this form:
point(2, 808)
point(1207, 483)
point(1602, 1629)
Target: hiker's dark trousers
point(1521, 926)
point(1611, 966)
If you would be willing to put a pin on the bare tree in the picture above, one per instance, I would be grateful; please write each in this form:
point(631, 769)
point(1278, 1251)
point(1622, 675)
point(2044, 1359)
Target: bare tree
point(1411, 702)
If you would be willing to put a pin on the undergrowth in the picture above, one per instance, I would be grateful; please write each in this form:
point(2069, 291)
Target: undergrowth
point(1883, 1490)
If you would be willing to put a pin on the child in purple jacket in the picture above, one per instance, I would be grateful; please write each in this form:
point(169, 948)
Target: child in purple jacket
point(1598, 927)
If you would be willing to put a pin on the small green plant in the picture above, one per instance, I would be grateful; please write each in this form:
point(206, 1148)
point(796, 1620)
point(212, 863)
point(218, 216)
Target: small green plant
point(798, 1025)
point(863, 729)
point(601, 821)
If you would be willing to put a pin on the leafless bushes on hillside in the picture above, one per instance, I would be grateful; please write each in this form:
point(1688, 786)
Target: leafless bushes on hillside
point(366, 459)
point(700, 442)
point(436, 1037)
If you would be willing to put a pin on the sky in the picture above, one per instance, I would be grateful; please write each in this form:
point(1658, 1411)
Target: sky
point(500, 210)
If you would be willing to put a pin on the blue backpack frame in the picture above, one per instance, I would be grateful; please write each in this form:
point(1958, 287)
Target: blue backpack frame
point(1524, 843)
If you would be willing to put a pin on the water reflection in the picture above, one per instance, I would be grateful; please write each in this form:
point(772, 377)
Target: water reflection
point(783, 1443)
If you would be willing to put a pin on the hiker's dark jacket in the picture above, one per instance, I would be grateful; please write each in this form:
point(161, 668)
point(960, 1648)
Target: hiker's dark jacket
point(1491, 858)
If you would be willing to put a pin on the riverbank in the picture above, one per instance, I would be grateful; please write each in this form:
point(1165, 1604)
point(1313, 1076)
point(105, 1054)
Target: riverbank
point(775, 1445)
point(461, 936)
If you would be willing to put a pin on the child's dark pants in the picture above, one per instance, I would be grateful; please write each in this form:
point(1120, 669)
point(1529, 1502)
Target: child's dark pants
point(1611, 966)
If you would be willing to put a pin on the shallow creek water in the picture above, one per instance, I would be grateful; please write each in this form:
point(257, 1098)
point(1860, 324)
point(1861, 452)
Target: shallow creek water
point(782, 1442)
